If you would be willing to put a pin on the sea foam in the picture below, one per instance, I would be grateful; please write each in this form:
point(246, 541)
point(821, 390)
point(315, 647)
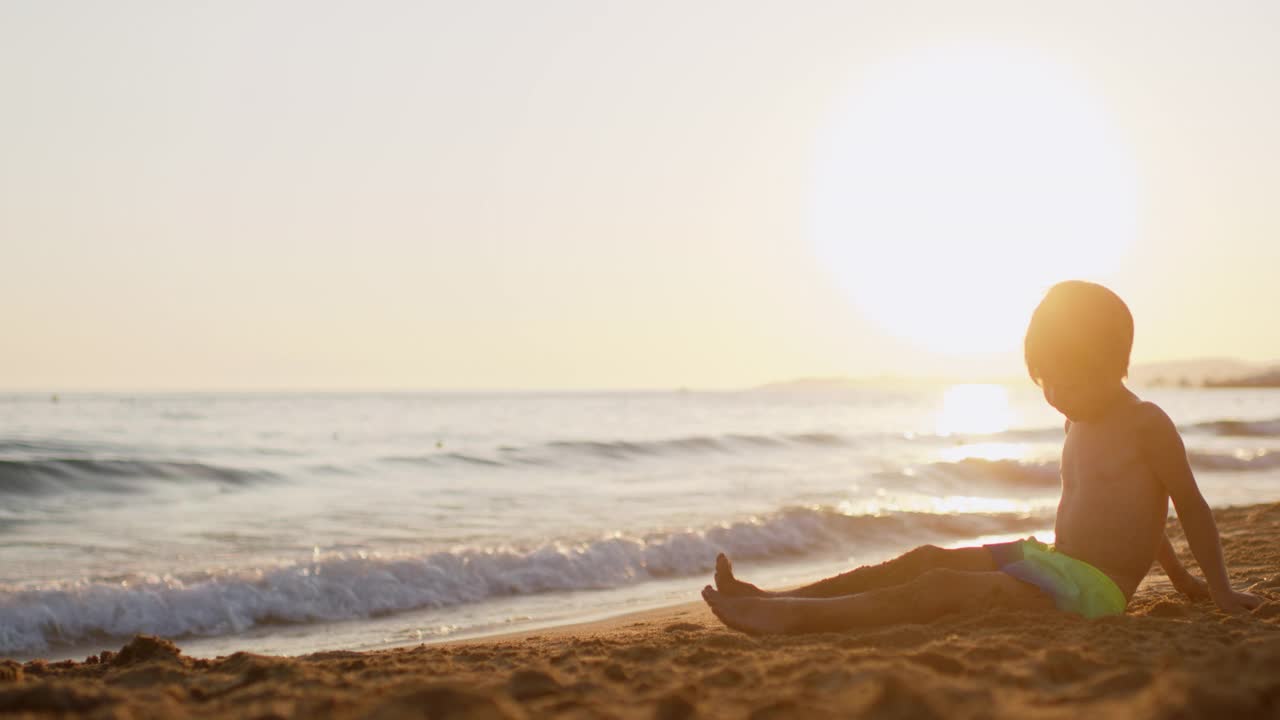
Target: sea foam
point(350, 586)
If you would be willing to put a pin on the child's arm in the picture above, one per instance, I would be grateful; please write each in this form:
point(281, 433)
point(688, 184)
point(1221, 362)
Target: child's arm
point(1183, 581)
point(1167, 457)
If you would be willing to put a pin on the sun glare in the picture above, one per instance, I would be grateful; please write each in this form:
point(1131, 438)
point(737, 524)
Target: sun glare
point(986, 451)
point(974, 410)
point(955, 185)
point(935, 505)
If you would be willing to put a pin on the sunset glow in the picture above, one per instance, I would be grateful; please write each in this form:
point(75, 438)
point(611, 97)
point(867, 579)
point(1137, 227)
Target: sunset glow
point(621, 359)
point(619, 197)
point(945, 234)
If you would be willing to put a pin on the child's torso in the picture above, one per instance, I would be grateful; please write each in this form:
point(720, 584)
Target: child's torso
point(1113, 509)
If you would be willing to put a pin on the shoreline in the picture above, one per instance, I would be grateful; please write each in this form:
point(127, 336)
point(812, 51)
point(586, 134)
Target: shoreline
point(302, 639)
point(1165, 657)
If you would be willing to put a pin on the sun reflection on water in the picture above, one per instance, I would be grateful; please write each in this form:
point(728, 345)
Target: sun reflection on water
point(974, 409)
point(940, 505)
point(986, 451)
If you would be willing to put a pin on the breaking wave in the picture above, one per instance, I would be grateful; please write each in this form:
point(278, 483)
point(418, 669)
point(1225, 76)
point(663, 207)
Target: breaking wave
point(341, 587)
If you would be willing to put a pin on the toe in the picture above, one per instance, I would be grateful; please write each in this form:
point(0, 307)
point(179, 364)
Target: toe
point(723, 566)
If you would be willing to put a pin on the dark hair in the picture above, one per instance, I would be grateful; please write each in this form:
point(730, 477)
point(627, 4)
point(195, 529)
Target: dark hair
point(1081, 326)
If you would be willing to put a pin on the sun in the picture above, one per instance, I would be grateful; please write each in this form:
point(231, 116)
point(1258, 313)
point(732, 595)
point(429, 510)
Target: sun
point(954, 185)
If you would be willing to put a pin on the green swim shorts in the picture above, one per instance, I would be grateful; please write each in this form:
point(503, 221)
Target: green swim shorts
point(1075, 585)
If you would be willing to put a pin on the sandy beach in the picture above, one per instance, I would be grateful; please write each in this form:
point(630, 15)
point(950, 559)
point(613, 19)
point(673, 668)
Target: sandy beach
point(1166, 658)
point(430, 359)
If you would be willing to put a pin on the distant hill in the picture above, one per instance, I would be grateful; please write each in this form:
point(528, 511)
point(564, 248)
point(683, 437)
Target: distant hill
point(1206, 372)
point(814, 384)
point(823, 384)
point(1269, 378)
point(1192, 373)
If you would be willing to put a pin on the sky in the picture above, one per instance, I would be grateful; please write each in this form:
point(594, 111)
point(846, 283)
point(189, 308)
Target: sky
point(575, 195)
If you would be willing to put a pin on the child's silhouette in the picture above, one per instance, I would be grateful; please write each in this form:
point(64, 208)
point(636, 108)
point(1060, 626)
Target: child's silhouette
point(1122, 461)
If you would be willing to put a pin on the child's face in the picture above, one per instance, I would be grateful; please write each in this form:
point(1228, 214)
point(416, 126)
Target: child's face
point(1078, 395)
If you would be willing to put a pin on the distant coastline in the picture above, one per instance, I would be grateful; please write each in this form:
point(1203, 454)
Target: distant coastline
point(1194, 373)
point(1268, 379)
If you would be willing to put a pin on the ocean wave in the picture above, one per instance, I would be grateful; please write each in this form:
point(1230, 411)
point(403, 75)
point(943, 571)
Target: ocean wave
point(625, 449)
point(1234, 462)
point(1010, 473)
point(46, 476)
point(342, 587)
point(729, 443)
point(698, 443)
point(1015, 473)
point(26, 448)
point(1223, 427)
point(1240, 428)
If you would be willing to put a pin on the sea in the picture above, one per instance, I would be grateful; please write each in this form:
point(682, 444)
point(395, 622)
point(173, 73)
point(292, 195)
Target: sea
point(290, 523)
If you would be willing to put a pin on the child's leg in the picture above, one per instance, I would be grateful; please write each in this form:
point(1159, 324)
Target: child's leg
point(897, 571)
point(927, 597)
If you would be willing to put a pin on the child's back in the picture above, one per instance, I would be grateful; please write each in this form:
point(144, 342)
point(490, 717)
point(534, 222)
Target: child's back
point(1113, 507)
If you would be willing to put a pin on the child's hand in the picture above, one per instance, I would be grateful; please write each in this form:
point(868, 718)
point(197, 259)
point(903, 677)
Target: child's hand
point(1237, 602)
point(1193, 587)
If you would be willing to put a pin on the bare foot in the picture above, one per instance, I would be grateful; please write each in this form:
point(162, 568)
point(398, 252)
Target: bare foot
point(754, 615)
point(729, 585)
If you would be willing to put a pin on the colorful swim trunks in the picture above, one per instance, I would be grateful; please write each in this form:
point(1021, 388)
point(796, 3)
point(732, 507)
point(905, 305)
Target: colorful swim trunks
point(1075, 585)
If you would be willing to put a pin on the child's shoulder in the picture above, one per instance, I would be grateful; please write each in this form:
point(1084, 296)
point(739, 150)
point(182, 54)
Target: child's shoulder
point(1151, 421)
point(1145, 411)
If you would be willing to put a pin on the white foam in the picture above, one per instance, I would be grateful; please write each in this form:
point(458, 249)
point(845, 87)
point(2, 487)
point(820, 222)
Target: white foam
point(340, 587)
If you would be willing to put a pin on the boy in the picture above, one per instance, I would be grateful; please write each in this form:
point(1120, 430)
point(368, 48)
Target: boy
point(1122, 461)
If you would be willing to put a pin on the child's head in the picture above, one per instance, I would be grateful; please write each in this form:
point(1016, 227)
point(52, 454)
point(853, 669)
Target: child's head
point(1077, 345)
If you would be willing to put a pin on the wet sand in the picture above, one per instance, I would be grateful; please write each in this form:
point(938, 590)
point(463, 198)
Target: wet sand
point(1166, 658)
